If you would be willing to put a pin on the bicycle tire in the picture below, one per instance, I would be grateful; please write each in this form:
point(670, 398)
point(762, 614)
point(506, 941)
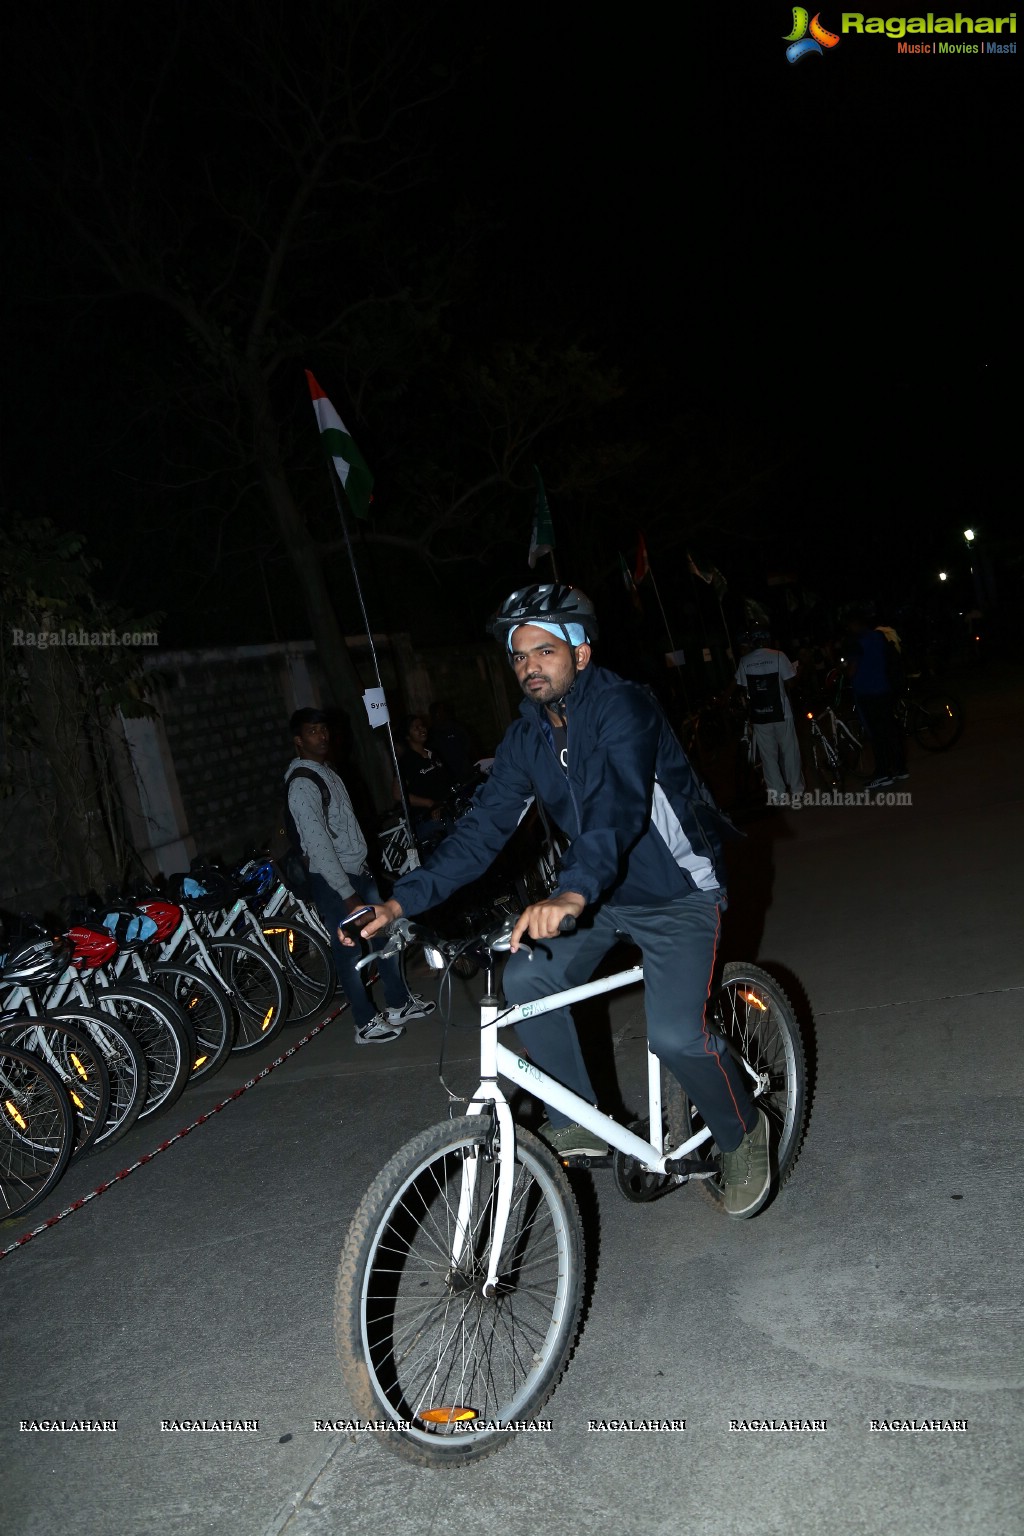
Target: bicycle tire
point(210, 1016)
point(257, 992)
point(37, 1131)
point(75, 1058)
point(743, 1009)
point(308, 966)
point(476, 1362)
point(125, 1063)
point(167, 1046)
point(935, 721)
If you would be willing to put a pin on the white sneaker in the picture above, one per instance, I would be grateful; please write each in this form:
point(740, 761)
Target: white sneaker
point(379, 1031)
point(416, 1008)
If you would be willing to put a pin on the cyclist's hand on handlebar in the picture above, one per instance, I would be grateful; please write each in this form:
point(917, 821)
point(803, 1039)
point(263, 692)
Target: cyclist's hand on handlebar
point(543, 919)
point(383, 914)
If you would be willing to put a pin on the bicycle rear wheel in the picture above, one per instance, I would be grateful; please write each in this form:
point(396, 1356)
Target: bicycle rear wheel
point(257, 992)
point(420, 1345)
point(37, 1131)
point(936, 721)
point(755, 1018)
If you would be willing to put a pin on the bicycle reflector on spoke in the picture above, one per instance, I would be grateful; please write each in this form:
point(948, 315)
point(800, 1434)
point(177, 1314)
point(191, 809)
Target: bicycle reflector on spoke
point(754, 1001)
point(83, 1074)
point(268, 1019)
point(15, 1114)
point(448, 1415)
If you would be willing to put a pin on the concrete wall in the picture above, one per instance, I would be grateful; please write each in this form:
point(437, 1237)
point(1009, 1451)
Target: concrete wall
point(205, 776)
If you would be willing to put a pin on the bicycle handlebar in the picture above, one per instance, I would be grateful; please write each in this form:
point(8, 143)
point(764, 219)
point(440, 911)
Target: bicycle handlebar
point(401, 933)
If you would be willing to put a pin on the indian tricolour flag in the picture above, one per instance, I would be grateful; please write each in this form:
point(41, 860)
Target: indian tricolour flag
point(353, 470)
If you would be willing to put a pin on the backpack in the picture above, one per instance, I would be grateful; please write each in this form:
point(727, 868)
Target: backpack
point(285, 844)
point(764, 691)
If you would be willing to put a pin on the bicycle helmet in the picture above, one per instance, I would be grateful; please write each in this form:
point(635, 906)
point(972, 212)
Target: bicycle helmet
point(37, 962)
point(550, 603)
point(90, 947)
point(165, 914)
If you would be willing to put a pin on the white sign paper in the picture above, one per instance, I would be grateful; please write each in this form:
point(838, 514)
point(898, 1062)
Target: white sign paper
point(376, 706)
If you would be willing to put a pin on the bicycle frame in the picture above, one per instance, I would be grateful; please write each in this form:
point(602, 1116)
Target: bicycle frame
point(498, 1061)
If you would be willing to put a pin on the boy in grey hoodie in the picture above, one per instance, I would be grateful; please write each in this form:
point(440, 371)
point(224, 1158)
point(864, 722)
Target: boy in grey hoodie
point(340, 879)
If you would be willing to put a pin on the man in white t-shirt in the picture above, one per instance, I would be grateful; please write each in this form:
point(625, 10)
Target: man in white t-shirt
point(765, 676)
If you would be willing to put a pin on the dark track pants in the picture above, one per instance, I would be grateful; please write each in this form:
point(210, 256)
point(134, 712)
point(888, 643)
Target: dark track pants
point(678, 940)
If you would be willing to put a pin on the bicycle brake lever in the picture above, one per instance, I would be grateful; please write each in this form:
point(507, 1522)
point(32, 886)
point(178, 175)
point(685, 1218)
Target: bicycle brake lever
point(397, 936)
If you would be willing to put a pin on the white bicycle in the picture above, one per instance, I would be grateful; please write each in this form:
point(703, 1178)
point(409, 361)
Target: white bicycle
point(460, 1284)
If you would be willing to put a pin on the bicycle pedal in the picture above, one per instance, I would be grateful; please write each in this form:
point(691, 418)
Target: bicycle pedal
point(586, 1160)
point(691, 1168)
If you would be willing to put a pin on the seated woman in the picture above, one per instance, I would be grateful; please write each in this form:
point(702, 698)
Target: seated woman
point(426, 781)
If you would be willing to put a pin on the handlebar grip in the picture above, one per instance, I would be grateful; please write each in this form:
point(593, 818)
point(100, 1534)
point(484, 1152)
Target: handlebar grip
point(567, 925)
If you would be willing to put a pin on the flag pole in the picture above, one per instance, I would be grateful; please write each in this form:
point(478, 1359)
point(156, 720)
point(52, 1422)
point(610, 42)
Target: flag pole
point(339, 503)
point(668, 632)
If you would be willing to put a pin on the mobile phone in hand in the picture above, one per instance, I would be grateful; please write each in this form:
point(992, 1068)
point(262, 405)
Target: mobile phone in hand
point(357, 918)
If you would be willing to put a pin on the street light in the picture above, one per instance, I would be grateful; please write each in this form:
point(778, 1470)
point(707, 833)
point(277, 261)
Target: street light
point(969, 535)
point(942, 576)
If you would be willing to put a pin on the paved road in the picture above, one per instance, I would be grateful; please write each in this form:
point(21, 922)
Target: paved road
point(884, 1284)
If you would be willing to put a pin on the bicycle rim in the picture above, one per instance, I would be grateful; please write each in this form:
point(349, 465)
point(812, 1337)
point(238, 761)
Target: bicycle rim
point(210, 1018)
point(36, 1131)
point(76, 1060)
point(432, 1354)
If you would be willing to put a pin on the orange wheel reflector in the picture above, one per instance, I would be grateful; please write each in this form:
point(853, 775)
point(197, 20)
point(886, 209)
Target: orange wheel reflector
point(267, 1018)
point(15, 1114)
point(83, 1074)
point(76, 1101)
point(448, 1415)
point(291, 941)
point(199, 1062)
point(193, 1002)
point(754, 1001)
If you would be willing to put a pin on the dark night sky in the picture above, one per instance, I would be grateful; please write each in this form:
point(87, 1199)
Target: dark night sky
point(817, 254)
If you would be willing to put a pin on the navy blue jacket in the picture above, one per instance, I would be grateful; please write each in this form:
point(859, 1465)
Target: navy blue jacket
point(625, 766)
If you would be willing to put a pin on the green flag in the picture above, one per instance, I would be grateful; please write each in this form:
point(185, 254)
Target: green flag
point(542, 537)
point(353, 470)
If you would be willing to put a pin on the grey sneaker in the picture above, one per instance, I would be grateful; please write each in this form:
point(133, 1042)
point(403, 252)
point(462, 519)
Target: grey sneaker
point(572, 1141)
point(879, 783)
point(416, 1008)
point(379, 1031)
point(746, 1173)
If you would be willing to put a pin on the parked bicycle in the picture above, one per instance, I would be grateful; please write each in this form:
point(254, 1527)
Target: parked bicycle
point(460, 1282)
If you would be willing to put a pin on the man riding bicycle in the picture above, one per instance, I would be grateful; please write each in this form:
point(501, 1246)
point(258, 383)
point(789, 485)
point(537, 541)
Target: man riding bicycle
point(644, 859)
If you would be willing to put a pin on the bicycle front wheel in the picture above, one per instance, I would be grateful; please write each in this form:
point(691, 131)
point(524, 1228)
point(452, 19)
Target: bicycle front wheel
point(37, 1131)
point(420, 1345)
point(258, 994)
point(751, 1013)
point(75, 1058)
point(826, 764)
point(308, 965)
point(210, 1018)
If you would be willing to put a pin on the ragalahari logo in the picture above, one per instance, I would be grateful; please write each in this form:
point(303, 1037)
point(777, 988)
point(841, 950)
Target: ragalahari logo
point(799, 41)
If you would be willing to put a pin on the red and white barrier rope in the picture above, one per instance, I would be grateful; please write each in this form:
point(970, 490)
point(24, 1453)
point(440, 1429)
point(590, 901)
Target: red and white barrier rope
point(148, 1157)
